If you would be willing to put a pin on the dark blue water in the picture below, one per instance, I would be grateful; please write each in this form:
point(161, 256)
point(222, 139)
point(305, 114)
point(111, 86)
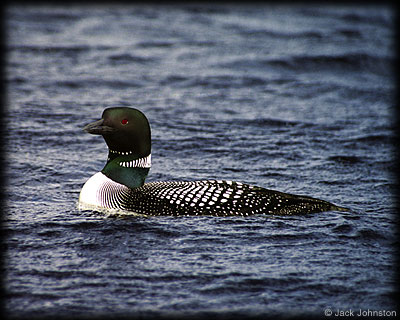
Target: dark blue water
point(294, 98)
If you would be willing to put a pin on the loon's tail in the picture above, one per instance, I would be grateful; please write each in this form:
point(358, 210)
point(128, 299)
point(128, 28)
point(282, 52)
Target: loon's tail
point(314, 204)
point(341, 209)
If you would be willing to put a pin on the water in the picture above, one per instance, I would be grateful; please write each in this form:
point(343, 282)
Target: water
point(293, 98)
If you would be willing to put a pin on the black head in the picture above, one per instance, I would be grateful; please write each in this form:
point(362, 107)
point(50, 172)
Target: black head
point(124, 130)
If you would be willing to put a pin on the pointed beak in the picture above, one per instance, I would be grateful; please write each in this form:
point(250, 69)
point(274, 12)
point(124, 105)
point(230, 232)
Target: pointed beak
point(97, 127)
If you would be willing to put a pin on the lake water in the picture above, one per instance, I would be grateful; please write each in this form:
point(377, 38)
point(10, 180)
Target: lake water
point(299, 99)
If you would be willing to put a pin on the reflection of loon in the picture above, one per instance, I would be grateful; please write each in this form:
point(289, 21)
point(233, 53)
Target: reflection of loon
point(120, 185)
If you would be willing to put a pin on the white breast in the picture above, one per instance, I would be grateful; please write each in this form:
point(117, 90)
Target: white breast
point(98, 192)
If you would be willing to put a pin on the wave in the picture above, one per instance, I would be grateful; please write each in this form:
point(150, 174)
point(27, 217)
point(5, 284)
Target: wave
point(350, 62)
point(126, 58)
point(345, 62)
point(54, 49)
point(93, 83)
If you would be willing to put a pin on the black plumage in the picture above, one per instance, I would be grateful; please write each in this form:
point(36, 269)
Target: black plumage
point(207, 197)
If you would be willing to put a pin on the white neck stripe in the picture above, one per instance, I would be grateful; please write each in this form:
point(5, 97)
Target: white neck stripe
point(138, 163)
point(121, 152)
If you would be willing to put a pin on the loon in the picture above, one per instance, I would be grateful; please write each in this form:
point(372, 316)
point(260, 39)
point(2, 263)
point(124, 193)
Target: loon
point(121, 184)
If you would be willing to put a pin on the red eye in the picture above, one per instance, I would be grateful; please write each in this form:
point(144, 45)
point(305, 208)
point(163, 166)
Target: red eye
point(124, 121)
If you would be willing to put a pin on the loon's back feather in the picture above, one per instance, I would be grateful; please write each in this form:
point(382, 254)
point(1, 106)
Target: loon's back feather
point(218, 198)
